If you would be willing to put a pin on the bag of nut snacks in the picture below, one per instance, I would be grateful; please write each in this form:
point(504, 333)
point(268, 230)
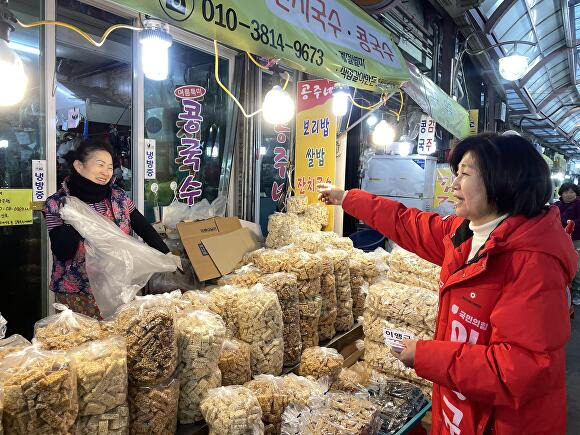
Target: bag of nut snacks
point(245, 276)
point(234, 362)
point(40, 392)
point(272, 396)
point(153, 410)
point(112, 422)
point(101, 375)
point(66, 329)
point(198, 298)
point(232, 410)
point(1, 409)
point(200, 336)
point(14, 343)
point(148, 327)
point(320, 362)
point(304, 392)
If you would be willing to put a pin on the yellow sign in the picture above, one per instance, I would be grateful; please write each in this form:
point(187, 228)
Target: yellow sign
point(443, 190)
point(315, 140)
point(15, 207)
point(473, 121)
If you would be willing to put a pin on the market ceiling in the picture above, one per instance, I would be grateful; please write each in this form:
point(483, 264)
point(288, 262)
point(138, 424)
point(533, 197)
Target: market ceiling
point(546, 100)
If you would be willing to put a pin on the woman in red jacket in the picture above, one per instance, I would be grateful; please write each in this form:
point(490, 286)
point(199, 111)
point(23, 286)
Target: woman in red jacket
point(497, 359)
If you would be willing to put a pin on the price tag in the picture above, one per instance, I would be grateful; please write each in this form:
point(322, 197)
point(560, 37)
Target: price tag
point(394, 338)
point(150, 159)
point(39, 180)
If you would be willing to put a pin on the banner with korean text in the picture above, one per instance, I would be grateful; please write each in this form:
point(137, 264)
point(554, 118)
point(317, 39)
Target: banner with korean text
point(443, 186)
point(334, 39)
point(315, 140)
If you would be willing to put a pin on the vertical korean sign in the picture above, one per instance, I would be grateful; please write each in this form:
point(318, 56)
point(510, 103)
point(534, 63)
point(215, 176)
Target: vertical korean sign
point(426, 141)
point(189, 151)
point(443, 186)
point(315, 139)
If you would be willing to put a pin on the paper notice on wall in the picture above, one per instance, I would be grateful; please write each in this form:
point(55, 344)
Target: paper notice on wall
point(15, 207)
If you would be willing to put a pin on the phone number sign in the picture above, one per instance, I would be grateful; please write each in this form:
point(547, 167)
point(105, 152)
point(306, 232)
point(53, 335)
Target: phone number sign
point(334, 39)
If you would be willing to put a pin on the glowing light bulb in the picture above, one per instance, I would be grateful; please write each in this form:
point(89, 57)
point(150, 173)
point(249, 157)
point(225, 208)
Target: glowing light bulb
point(339, 103)
point(278, 107)
point(155, 42)
point(513, 67)
point(383, 134)
point(372, 120)
point(13, 79)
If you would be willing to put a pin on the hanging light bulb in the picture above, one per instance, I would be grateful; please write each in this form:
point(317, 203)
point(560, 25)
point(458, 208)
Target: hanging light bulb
point(13, 79)
point(514, 66)
point(383, 134)
point(339, 102)
point(372, 120)
point(278, 106)
point(155, 42)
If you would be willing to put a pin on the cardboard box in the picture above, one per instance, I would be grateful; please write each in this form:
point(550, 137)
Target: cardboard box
point(215, 246)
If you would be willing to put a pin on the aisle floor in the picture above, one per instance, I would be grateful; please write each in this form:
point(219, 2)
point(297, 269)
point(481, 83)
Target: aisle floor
point(573, 377)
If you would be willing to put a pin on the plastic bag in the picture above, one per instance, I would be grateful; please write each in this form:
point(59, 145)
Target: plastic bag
point(402, 303)
point(232, 410)
point(410, 269)
point(148, 326)
point(14, 343)
point(117, 265)
point(320, 362)
point(245, 276)
point(304, 392)
point(3, 326)
point(353, 379)
point(165, 282)
point(40, 392)
point(235, 362)
point(200, 336)
point(113, 422)
point(296, 204)
point(309, 319)
point(153, 410)
point(1, 409)
point(101, 375)
point(177, 212)
point(374, 326)
point(66, 329)
point(285, 286)
point(273, 398)
point(281, 226)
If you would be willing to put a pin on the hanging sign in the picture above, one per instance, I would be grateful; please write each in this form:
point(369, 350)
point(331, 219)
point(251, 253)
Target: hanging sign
point(447, 112)
point(473, 121)
point(315, 139)
point(426, 141)
point(15, 207)
point(189, 151)
point(150, 159)
point(334, 39)
point(39, 180)
point(443, 192)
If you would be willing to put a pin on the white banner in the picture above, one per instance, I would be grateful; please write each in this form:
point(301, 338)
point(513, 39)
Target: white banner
point(150, 159)
point(39, 180)
point(426, 142)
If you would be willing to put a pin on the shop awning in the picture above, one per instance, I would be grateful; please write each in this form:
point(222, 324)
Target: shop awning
point(333, 39)
point(437, 104)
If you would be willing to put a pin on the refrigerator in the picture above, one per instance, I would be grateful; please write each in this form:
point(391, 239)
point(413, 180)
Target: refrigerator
point(407, 179)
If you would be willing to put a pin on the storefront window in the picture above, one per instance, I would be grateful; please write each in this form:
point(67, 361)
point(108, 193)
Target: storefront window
point(186, 118)
point(21, 141)
point(94, 87)
point(275, 154)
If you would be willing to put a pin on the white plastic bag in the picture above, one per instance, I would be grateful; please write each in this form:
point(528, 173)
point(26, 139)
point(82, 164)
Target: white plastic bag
point(118, 265)
point(3, 326)
point(178, 211)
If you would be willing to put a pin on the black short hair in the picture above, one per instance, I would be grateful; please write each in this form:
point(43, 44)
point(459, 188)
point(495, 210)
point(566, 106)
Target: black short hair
point(516, 177)
point(568, 186)
point(86, 148)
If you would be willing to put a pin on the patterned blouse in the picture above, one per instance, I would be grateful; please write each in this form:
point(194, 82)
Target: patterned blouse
point(70, 276)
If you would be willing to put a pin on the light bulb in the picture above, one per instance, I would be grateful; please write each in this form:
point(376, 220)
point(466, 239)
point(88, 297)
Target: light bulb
point(383, 134)
point(404, 148)
point(339, 103)
point(558, 176)
point(13, 79)
point(263, 151)
point(372, 120)
point(155, 42)
point(513, 67)
point(278, 106)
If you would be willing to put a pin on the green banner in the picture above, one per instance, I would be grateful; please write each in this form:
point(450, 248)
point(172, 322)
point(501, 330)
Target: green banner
point(333, 39)
point(437, 104)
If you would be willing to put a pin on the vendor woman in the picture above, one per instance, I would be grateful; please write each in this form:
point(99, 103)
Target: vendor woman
point(90, 181)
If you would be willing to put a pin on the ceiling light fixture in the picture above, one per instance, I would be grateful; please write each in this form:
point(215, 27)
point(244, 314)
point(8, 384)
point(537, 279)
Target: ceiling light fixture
point(155, 42)
point(278, 106)
point(339, 101)
point(13, 79)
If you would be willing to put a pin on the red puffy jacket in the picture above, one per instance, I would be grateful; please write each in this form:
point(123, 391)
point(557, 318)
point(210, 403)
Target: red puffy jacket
point(497, 360)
